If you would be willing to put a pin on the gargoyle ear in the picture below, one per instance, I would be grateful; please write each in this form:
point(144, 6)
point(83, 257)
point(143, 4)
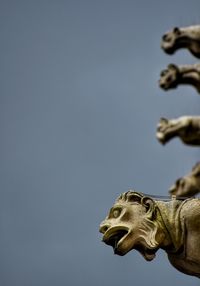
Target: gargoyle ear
point(173, 67)
point(134, 197)
point(163, 120)
point(176, 31)
point(149, 204)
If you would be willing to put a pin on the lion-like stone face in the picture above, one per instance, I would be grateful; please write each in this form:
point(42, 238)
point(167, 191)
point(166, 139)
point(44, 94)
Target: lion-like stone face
point(169, 77)
point(128, 227)
point(170, 41)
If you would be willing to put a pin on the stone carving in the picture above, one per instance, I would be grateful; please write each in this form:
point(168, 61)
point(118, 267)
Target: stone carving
point(137, 221)
point(175, 75)
point(187, 128)
point(146, 224)
point(189, 185)
point(185, 37)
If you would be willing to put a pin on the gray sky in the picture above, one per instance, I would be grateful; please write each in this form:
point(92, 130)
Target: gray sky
point(79, 107)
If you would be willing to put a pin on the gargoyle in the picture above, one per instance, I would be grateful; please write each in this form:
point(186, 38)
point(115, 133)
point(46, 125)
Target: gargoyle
point(189, 185)
point(187, 128)
point(185, 37)
point(137, 221)
point(175, 75)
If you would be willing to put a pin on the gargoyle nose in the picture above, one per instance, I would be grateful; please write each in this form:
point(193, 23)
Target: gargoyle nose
point(162, 85)
point(103, 228)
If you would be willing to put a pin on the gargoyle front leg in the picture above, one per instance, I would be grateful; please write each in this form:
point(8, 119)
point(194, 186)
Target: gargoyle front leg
point(187, 128)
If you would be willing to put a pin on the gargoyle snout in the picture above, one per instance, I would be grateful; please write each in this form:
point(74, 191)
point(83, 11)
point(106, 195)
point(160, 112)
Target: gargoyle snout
point(103, 227)
point(161, 84)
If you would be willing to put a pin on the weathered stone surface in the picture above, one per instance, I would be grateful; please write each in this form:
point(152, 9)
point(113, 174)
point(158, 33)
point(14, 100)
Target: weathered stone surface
point(184, 37)
point(187, 128)
point(137, 221)
point(189, 185)
point(175, 75)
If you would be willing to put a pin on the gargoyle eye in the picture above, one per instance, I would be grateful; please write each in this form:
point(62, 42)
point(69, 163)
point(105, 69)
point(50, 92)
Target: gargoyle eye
point(163, 73)
point(178, 182)
point(182, 183)
point(169, 79)
point(165, 37)
point(116, 212)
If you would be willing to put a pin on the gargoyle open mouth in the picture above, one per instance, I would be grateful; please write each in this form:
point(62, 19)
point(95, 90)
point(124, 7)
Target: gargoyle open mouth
point(114, 236)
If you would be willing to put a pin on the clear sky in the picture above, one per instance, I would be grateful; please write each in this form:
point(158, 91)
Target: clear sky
point(79, 105)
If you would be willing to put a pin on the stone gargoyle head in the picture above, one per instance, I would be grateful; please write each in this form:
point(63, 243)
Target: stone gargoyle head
point(139, 222)
point(182, 37)
point(132, 224)
point(169, 78)
point(170, 41)
point(189, 185)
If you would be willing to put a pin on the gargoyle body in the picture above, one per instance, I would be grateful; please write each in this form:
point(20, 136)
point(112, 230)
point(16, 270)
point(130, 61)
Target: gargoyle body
point(184, 37)
point(137, 221)
point(189, 185)
point(175, 75)
point(187, 128)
